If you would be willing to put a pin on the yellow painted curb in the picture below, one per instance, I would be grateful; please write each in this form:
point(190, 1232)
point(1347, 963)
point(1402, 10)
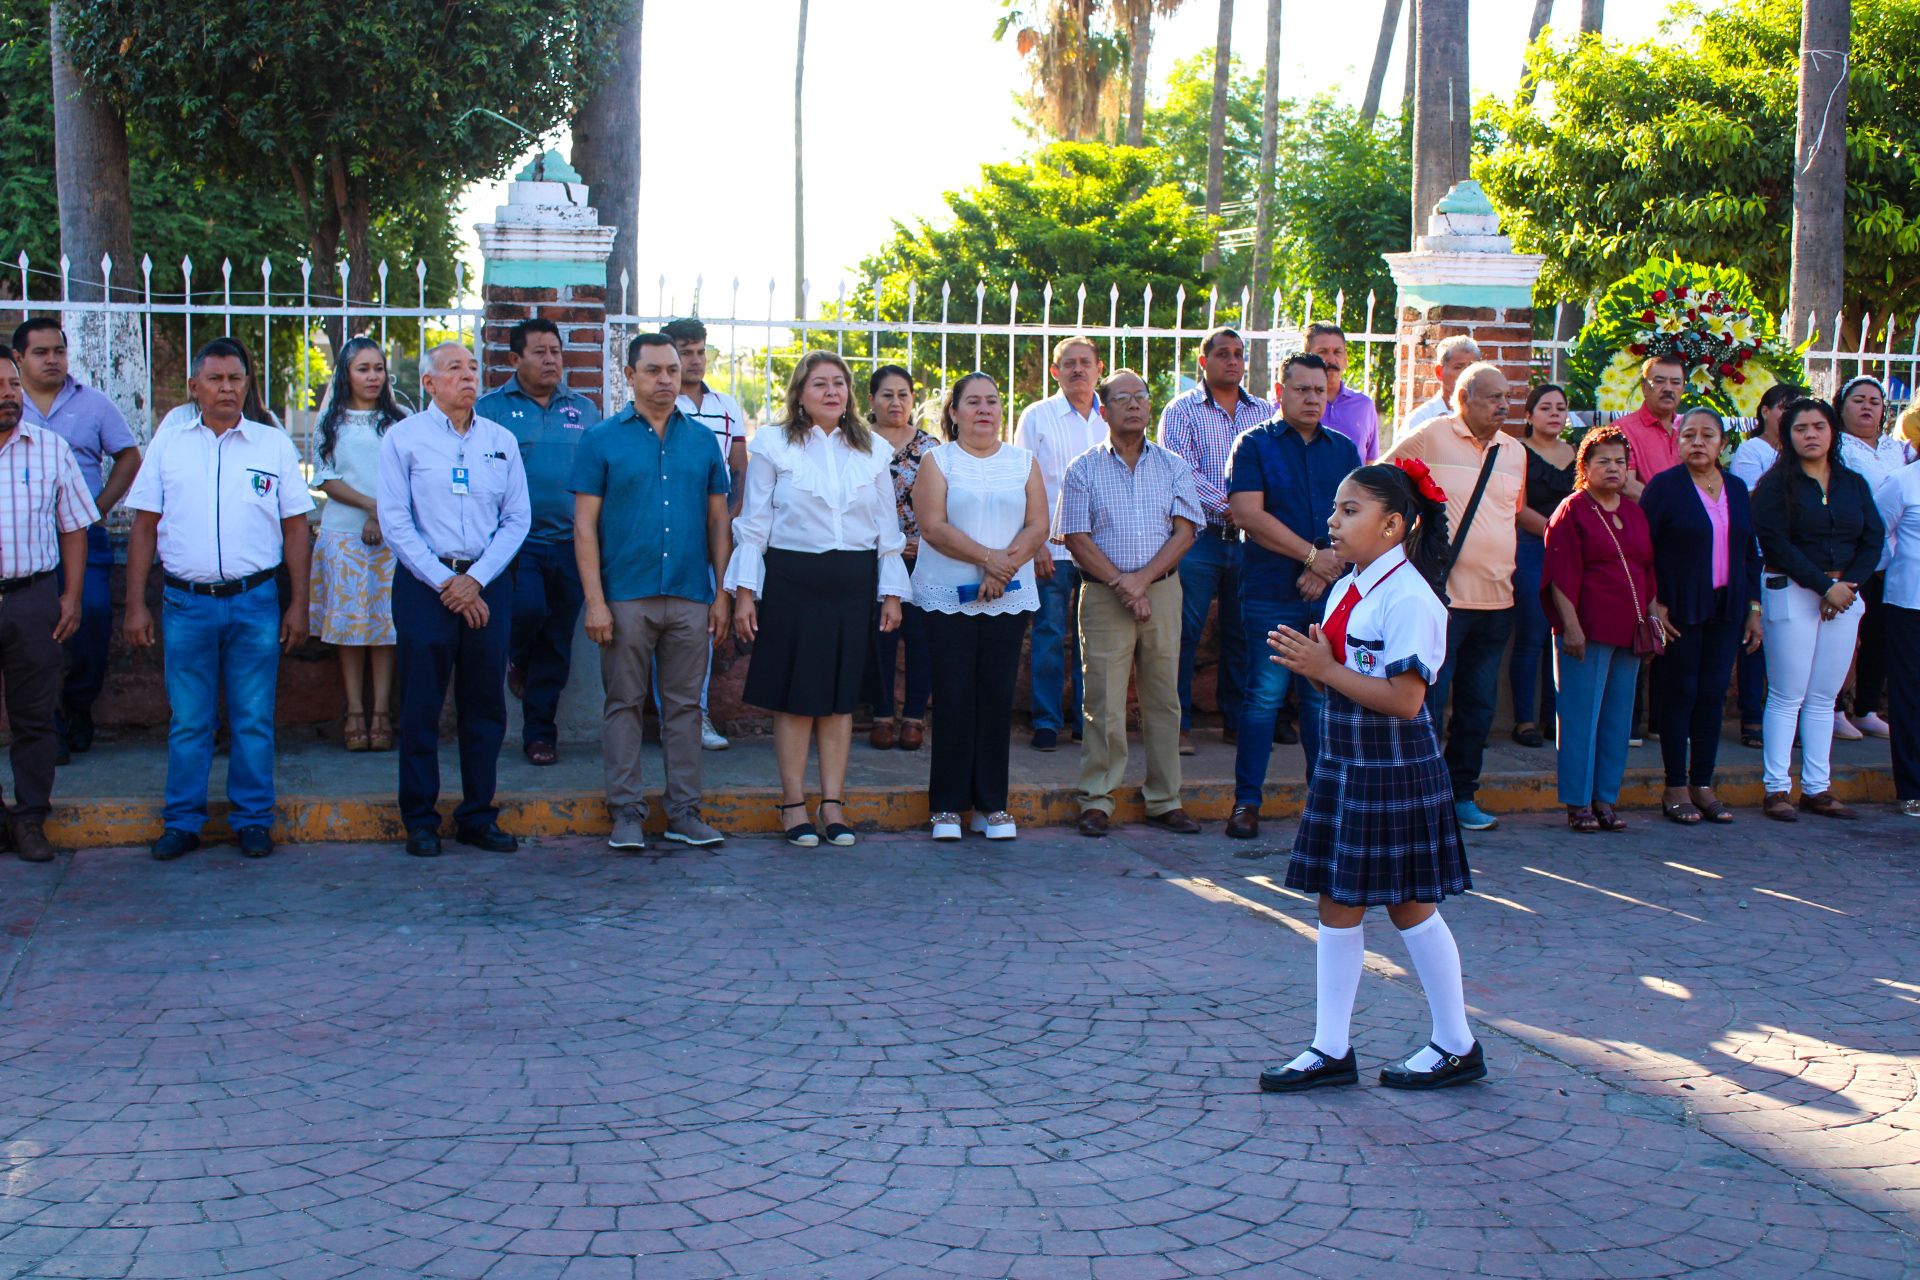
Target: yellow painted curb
point(750, 810)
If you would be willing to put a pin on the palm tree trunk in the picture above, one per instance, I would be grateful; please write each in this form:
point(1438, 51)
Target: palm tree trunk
point(1413, 61)
point(606, 151)
point(90, 176)
point(1139, 44)
point(1263, 202)
point(1817, 281)
point(1217, 123)
point(1442, 106)
point(1593, 14)
point(1542, 10)
point(1382, 51)
point(799, 174)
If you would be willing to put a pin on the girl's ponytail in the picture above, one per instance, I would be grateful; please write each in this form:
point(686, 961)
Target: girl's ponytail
point(1408, 488)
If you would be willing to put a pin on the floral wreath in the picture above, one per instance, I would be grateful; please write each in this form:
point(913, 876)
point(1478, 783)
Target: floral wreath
point(1422, 478)
point(1708, 318)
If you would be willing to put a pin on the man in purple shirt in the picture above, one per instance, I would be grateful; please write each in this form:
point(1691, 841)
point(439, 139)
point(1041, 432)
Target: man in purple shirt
point(1349, 411)
point(94, 429)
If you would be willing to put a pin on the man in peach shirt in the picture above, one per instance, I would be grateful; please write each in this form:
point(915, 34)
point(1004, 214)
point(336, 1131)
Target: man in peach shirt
point(1456, 448)
point(1651, 446)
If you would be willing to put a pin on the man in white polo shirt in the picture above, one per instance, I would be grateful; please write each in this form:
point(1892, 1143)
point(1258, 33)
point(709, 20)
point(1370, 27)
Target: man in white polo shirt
point(721, 414)
point(1056, 431)
point(224, 503)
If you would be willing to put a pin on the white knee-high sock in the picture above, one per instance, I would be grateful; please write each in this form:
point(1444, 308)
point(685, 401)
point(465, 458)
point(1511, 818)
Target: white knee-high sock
point(1339, 955)
point(1437, 960)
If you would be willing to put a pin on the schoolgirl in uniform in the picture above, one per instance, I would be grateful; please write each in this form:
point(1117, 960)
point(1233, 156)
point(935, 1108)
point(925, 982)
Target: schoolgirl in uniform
point(1379, 827)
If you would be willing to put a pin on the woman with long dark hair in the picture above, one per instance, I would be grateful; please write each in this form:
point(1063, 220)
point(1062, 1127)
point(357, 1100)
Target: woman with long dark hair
point(1821, 537)
point(890, 410)
point(1379, 827)
point(1750, 461)
point(1549, 481)
point(816, 542)
point(352, 567)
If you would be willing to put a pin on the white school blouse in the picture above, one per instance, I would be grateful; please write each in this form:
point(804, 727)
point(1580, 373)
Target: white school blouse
point(819, 495)
point(987, 501)
point(1399, 624)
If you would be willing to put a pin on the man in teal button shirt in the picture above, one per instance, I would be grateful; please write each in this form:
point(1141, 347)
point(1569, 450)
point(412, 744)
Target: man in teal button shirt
point(548, 420)
point(650, 494)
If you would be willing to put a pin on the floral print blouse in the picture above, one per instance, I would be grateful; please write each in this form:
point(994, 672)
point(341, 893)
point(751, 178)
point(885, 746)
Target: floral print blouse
point(906, 470)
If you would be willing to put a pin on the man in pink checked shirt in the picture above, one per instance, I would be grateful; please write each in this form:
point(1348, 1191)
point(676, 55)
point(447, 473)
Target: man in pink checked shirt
point(45, 511)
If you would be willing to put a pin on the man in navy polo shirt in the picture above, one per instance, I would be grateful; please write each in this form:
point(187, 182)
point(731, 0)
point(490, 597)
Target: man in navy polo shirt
point(1280, 487)
point(548, 420)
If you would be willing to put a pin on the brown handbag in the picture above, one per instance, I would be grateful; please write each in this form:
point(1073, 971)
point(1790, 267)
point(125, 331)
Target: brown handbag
point(1649, 637)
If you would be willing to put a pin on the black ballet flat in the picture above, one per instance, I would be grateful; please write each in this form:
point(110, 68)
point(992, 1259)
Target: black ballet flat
point(1452, 1069)
point(1326, 1072)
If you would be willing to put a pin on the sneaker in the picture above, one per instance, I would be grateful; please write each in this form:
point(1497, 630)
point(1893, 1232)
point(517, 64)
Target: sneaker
point(1844, 730)
point(629, 829)
point(1910, 808)
point(688, 828)
point(1046, 740)
point(1472, 817)
point(995, 826)
point(946, 826)
point(1870, 724)
point(711, 738)
point(1636, 742)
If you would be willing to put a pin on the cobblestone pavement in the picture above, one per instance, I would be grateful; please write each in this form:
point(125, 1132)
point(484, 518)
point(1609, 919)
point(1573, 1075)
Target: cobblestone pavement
point(1031, 1061)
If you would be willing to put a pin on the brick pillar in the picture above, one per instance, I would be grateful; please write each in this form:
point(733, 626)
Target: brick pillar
point(580, 310)
point(1463, 277)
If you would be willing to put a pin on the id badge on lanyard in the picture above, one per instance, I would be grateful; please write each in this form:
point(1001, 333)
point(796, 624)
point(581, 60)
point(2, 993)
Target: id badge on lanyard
point(460, 475)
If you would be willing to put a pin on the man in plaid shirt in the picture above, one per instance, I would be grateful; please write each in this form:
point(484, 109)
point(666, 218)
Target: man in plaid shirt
point(1201, 426)
point(45, 511)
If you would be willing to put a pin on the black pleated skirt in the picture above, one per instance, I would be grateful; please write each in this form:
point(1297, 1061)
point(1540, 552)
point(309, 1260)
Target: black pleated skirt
point(817, 616)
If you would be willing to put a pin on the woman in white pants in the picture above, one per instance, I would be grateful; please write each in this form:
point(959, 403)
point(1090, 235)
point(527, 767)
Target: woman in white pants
point(1821, 537)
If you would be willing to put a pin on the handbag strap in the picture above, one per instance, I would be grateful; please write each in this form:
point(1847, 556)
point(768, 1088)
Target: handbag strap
point(1473, 505)
point(1621, 552)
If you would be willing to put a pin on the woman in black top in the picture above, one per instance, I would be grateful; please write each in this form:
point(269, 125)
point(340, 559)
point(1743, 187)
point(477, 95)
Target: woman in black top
point(1549, 481)
point(1821, 537)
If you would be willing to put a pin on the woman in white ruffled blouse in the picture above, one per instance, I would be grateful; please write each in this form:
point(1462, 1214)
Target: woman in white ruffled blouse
point(816, 542)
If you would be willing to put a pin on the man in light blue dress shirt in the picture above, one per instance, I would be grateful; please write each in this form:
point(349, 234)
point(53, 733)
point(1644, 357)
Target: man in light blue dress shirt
point(453, 505)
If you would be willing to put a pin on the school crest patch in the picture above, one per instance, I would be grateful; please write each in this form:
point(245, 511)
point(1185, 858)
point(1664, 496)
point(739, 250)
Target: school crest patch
point(1365, 660)
point(262, 485)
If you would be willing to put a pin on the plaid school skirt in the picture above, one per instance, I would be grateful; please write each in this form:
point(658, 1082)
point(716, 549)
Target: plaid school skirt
point(1379, 825)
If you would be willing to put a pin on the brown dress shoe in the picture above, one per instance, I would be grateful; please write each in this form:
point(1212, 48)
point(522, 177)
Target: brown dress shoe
point(30, 841)
point(1176, 821)
point(1245, 822)
point(884, 735)
point(1095, 823)
point(1778, 805)
point(913, 734)
point(1186, 743)
point(1825, 804)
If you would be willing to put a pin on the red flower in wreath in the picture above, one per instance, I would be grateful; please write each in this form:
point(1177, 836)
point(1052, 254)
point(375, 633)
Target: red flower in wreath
point(1659, 295)
point(1422, 479)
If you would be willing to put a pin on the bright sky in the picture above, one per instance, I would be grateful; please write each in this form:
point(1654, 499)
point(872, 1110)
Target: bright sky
point(905, 100)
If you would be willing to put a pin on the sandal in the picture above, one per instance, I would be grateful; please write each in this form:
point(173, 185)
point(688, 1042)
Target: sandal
point(1750, 737)
point(1528, 735)
point(356, 739)
point(838, 832)
point(1712, 808)
point(1608, 819)
point(1682, 811)
point(802, 836)
point(1581, 819)
point(380, 737)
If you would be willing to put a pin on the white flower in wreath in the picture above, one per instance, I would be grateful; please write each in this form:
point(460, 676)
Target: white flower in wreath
point(1619, 388)
point(1701, 379)
point(1673, 322)
point(1739, 330)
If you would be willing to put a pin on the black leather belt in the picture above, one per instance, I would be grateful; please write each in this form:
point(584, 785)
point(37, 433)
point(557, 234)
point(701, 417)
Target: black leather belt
point(456, 564)
point(1224, 531)
point(10, 585)
point(1162, 578)
point(220, 590)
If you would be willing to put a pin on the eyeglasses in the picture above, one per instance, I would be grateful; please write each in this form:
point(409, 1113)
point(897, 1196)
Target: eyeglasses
point(1129, 397)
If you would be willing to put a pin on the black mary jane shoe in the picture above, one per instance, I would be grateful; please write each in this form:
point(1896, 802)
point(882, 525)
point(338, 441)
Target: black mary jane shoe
point(1327, 1071)
point(802, 835)
point(1452, 1069)
point(838, 833)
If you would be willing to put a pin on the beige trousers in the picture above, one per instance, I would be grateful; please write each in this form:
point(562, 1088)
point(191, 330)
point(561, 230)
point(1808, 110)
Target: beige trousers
point(672, 633)
point(1113, 646)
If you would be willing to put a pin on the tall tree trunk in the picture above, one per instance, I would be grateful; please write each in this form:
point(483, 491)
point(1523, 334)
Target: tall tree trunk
point(1593, 15)
point(799, 174)
point(606, 151)
point(90, 178)
point(1542, 10)
point(1382, 52)
point(1413, 62)
point(1263, 202)
point(1217, 123)
point(1442, 106)
point(1139, 44)
point(1818, 276)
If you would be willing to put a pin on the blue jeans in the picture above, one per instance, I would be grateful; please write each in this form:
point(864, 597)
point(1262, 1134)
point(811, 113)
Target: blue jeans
point(547, 598)
point(437, 648)
point(1055, 652)
point(1596, 718)
point(1267, 685)
point(1527, 666)
point(1212, 568)
point(231, 643)
point(87, 648)
point(1476, 641)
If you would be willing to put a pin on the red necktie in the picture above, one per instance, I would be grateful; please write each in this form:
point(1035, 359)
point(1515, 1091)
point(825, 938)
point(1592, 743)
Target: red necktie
point(1335, 627)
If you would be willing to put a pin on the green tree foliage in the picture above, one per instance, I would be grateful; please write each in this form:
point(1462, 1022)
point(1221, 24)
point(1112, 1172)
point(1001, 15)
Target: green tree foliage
point(1684, 147)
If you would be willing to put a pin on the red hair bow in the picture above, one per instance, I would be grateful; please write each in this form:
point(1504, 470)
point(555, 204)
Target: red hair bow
point(1422, 479)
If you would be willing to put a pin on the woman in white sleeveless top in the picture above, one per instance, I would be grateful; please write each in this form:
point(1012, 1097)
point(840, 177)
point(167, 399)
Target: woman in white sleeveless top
point(983, 517)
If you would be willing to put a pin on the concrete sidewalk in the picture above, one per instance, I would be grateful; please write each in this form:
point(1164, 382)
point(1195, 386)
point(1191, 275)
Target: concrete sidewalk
point(111, 796)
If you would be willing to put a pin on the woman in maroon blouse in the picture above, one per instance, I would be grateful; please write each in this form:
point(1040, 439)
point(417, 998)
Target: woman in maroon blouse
point(1597, 587)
